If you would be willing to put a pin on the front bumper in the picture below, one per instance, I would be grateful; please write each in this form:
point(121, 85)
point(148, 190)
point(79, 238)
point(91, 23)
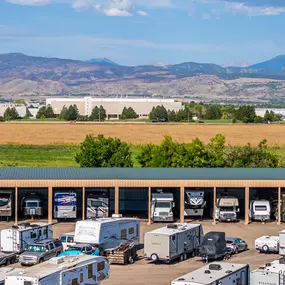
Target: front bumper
point(162, 219)
point(28, 262)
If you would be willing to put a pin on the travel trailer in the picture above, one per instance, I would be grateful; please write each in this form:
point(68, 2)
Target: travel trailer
point(32, 205)
point(216, 273)
point(81, 269)
point(227, 209)
point(65, 205)
point(97, 206)
point(178, 240)
point(6, 204)
point(259, 210)
point(282, 243)
point(162, 207)
point(267, 244)
point(108, 232)
point(194, 204)
point(213, 246)
point(5, 270)
point(18, 238)
point(270, 273)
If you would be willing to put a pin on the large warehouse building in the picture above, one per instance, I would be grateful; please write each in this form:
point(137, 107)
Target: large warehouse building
point(113, 106)
point(129, 190)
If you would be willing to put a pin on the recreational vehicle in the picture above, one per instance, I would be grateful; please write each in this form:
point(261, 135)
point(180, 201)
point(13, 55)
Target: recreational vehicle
point(18, 238)
point(282, 243)
point(32, 205)
point(178, 240)
point(162, 207)
point(271, 273)
point(108, 232)
point(259, 210)
point(194, 203)
point(267, 244)
point(81, 269)
point(216, 273)
point(227, 209)
point(6, 204)
point(97, 205)
point(5, 270)
point(65, 205)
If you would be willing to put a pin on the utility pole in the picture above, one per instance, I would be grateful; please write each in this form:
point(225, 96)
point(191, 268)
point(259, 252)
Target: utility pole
point(99, 116)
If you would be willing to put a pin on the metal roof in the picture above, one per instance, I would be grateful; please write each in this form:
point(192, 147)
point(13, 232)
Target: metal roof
point(142, 174)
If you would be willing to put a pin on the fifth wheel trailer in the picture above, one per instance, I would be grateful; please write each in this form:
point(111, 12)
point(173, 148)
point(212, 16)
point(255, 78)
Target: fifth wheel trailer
point(176, 240)
point(216, 273)
point(194, 203)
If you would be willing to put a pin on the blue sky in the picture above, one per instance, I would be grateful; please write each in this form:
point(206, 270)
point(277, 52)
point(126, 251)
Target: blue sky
point(135, 32)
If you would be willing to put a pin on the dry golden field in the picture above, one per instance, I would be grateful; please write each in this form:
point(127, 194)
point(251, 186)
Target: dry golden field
point(56, 133)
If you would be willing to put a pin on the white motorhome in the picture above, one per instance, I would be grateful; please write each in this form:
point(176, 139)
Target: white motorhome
point(194, 204)
point(178, 240)
point(6, 204)
point(259, 210)
point(227, 209)
point(97, 206)
point(271, 273)
point(81, 269)
point(267, 244)
point(65, 205)
point(216, 273)
point(17, 238)
point(108, 232)
point(162, 207)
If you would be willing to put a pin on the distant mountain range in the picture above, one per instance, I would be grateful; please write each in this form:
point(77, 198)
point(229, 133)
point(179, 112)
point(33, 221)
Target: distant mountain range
point(28, 75)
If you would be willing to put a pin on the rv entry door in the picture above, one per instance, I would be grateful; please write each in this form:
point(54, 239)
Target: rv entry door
point(173, 245)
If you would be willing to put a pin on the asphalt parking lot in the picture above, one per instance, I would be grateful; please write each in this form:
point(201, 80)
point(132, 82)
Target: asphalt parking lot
point(144, 272)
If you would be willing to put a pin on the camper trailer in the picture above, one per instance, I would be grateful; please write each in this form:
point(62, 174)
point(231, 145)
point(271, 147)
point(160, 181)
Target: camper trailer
point(6, 270)
point(282, 243)
point(162, 207)
point(65, 205)
point(108, 232)
point(17, 238)
point(81, 269)
point(227, 209)
point(6, 204)
point(32, 205)
point(267, 244)
point(97, 206)
point(216, 273)
point(178, 240)
point(271, 273)
point(194, 204)
point(259, 210)
point(213, 246)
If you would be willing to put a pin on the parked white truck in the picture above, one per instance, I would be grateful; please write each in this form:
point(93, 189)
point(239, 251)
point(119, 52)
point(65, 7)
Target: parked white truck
point(227, 209)
point(260, 210)
point(178, 240)
point(194, 204)
point(108, 232)
point(80, 269)
point(162, 207)
point(216, 273)
point(267, 244)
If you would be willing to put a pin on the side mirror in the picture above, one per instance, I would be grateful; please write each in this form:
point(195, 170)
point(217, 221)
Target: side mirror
point(46, 250)
point(173, 204)
point(238, 209)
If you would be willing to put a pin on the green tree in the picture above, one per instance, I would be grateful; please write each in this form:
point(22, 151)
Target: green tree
point(270, 116)
point(216, 148)
point(98, 114)
point(128, 113)
point(49, 112)
point(158, 113)
point(213, 112)
point(258, 120)
point(64, 113)
point(10, 114)
point(72, 113)
point(171, 115)
point(104, 152)
point(41, 112)
point(245, 114)
point(228, 112)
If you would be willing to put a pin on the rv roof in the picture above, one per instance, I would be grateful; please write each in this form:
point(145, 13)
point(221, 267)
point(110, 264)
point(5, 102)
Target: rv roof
point(199, 276)
point(68, 234)
point(108, 220)
point(181, 228)
point(24, 227)
point(44, 269)
point(6, 270)
point(273, 267)
point(270, 237)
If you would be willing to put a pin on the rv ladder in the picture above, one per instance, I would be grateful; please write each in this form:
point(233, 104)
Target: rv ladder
point(14, 239)
point(281, 277)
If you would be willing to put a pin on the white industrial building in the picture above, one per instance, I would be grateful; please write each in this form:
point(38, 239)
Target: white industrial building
point(261, 111)
point(113, 106)
point(21, 109)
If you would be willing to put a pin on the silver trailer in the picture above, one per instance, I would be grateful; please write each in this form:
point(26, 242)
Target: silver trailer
point(6, 203)
point(32, 206)
point(177, 240)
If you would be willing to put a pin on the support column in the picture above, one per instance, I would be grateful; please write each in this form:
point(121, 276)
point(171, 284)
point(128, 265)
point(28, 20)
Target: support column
point(149, 206)
point(50, 198)
point(117, 197)
point(246, 206)
point(214, 205)
point(279, 207)
point(182, 204)
point(16, 205)
point(83, 203)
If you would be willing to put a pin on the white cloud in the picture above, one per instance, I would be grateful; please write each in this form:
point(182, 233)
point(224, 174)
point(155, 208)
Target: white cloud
point(142, 13)
point(120, 4)
point(97, 6)
point(206, 16)
point(82, 4)
point(115, 12)
point(30, 2)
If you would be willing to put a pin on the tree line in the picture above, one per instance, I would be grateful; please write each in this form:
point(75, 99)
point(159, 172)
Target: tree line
point(112, 152)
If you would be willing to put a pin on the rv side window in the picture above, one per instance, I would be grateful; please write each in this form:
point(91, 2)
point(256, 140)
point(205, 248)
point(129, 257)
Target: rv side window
point(45, 231)
point(90, 271)
point(27, 282)
point(33, 235)
point(131, 231)
point(40, 233)
point(137, 229)
point(124, 234)
point(173, 237)
point(100, 266)
point(74, 281)
point(81, 278)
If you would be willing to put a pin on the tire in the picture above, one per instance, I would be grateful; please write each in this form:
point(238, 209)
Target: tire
point(185, 256)
point(8, 262)
point(265, 248)
point(236, 251)
point(131, 260)
point(246, 248)
point(41, 260)
point(181, 257)
point(154, 257)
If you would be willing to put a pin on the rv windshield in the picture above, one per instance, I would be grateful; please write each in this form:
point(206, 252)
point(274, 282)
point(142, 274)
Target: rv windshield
point(260, 208)
point(32, 204)
point(162, 205)
point(96, 204)
point(3, 202)
point(36, 248)
point(227, 209)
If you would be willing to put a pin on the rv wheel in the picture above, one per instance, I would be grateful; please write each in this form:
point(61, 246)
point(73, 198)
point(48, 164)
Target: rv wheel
point(185, 256)
point(8, 262)
point(154, 257)
point(41, 260)
point(181, 257)
point(265, 248)
point(131, 260)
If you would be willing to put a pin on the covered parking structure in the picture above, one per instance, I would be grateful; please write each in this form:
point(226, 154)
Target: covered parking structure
point(118, 180)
